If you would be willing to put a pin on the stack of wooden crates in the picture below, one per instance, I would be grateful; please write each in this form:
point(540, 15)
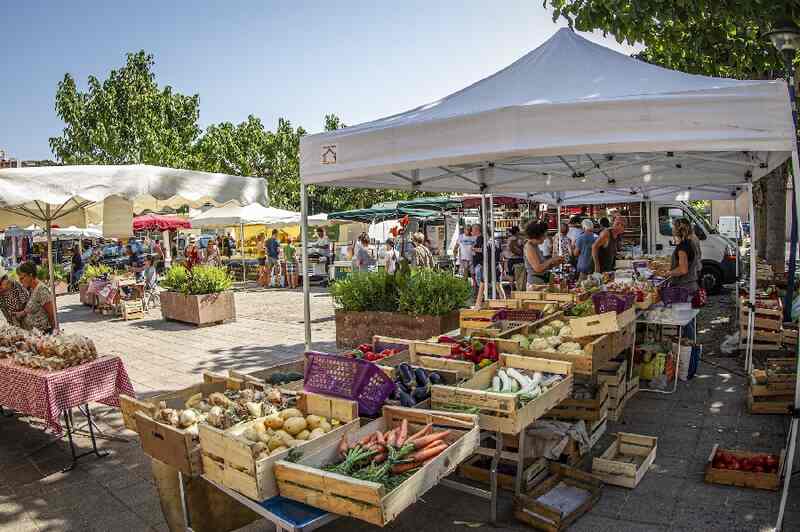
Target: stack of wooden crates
point(621, 388)
point(768, 331)
point(772, 388)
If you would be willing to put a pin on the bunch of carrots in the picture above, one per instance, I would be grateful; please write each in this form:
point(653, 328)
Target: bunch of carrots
point(378, 456)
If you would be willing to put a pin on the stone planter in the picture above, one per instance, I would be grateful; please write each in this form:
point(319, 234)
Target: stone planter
point(199, 310)
point(85, 298)
point(354, 328)
point(62, 288)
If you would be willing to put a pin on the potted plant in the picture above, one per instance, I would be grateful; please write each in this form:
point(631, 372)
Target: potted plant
point(201, 295)
point(411, 305)
point(90, 273)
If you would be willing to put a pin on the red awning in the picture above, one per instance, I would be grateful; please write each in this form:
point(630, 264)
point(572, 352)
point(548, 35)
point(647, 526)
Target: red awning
point(148, 222)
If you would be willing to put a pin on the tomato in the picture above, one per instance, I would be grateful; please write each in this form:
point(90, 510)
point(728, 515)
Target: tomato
point(758, 469)
point(372, 357)
point(746, 464)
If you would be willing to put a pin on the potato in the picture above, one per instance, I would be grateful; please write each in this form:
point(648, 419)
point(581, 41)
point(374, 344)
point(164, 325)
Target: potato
point(274, 421)
point(316, 433)
point(294, 425)
point(264, 437)
point(286, 439)
point(275, 442)
point(290, 412)
point(303, 435)
point(313, 421)
point(278, 450)
point(260, 428)
point(251, 434)
point(325, 427)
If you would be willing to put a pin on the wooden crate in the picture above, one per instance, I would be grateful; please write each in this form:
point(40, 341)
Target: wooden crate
point(502, 412)
point(499, 329)
point(766, 318)
point(532, 509)
point(477, 468)
point(597, 351)
point(761, 399)
point(608, 322)
point(477, 319)
point(131, 309)
point(613, 374)
point(228, 459)
point(513, 304)
point(623, 339)
point(789, 335)
point(595, 409)
point(368, 501)
point(448, 376)
point(615, 411)
point(525, 295)
point(430, 355)
point(781, 370)
point(262, 377)
point(627, 460)
point(174, 446)
point(744, 479)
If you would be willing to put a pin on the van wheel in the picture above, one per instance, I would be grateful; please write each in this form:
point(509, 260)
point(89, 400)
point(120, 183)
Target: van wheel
point(711, 279)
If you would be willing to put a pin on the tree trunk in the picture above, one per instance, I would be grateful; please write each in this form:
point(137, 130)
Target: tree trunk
point(760, 216)
point(775, 183)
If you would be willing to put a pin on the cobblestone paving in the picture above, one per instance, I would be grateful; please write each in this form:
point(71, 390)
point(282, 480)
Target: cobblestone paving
point(117, 492)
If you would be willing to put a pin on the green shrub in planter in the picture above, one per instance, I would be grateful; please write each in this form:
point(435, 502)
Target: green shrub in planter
point(362, 292)
point(93, 272)
point(197, 281)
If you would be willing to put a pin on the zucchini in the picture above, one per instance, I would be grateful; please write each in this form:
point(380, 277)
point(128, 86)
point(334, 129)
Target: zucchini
point(496, 384)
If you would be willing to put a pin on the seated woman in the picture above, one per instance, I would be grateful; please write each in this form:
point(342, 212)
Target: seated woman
point(38, 312)
point(13, 297)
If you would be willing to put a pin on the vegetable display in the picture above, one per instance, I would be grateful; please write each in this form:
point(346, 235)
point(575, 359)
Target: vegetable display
point(35, 350)
point(526, 385)
point(414, 384)
point(761, 463)
point(580, 310)
point(390, 457)
point(366, 352)
point(550, 338)
point(285, 429)
point(474, 351)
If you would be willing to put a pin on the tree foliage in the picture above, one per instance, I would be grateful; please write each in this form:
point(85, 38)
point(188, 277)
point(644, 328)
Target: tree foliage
point(125, 119)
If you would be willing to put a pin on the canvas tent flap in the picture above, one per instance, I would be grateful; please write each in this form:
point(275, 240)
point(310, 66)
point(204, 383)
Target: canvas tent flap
point(665, 193)
point(234, 215)
point(569, 115)
point(56, 185)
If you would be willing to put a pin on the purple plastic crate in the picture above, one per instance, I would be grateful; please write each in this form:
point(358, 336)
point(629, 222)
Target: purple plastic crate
point(348, 378)
point(674, 294)
point(611, 302)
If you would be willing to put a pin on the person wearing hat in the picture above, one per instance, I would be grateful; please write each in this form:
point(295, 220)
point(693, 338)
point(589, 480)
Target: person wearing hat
point(13, 297)
point(192, 254)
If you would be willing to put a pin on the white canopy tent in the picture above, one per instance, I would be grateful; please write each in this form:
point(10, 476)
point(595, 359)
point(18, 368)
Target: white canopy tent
point(237, 215)
point(48, 193)
point(570, 115)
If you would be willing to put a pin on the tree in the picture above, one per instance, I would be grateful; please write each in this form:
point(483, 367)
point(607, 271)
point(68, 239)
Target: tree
point(125, 119)
point(710, 37)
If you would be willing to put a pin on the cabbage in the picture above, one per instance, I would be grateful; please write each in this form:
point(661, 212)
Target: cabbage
point(539, 344)
point(565, 332)
point(557, 324)
point(570, 347)
point(546, 330)
point(554, 341)
point(521, 339)
point(549, 350)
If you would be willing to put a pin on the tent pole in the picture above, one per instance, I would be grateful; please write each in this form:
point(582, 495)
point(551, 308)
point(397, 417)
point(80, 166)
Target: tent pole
point(491, 234)
point(485, 266)
point(241, 252)
point(752, 299)
point(50, 272)
point(306, 288)
point(558, 226)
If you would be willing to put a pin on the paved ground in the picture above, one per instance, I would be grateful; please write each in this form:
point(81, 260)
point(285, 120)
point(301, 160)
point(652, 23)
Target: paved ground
point(116, 493)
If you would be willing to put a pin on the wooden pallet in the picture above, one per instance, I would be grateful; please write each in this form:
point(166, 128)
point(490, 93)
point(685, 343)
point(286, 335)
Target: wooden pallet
point(744, 479)
point(305, 482)
point(131, 309)
point(594, 409)
point(502, 412)
point(529, 509)
point(627, 460)
point(228, 458)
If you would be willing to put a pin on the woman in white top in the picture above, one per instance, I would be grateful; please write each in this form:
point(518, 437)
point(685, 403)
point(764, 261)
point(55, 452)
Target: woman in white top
point(391, 257)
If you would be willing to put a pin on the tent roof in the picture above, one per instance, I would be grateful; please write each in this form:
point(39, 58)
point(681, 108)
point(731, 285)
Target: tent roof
point(569, 115)
point(160, 222)
point(231, 215)
point(381, 214)
point(617, 195)
point(56, 185)
point(437, 203)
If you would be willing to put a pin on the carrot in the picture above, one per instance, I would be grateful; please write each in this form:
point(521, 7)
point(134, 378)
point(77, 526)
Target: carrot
point(402, 433)
point(365, 440)
point(427, 453)
point(424, 441)
point(392, 439)
point(402, 468)
point(381, 439)
point(422, 432)
point(437, 443)
point(379, 458)
point(343, 445)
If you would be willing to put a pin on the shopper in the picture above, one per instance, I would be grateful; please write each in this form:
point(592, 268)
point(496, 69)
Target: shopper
point(38, 312)
point(583, 249)
point(77, 269)
point(683, 267)
point(575, 229)
point(493, 274)
point(212, 257)
point(135, 262)
point(516, 253)
point(606, 247)
point(13, 297)
point(422, 257)
point(564, 243)
point(273, 246)
point(362, 259)
point(290, 257)
point(537, 266)
point(391, 257)
point(192, 254)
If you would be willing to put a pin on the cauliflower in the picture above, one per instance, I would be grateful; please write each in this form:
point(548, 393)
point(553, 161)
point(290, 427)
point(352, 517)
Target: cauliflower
point(570, 347)
point(565, 332)
point(556, 324)
point(539, 344)
point(522, 340)
point(546, 330)
point(550, 350)
point(554, 341)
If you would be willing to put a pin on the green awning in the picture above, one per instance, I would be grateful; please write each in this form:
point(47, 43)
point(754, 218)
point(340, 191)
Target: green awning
point(436, 203)
point(382, 214)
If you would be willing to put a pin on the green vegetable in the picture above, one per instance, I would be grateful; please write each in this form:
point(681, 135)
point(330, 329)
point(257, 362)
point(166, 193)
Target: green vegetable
point(197, 281)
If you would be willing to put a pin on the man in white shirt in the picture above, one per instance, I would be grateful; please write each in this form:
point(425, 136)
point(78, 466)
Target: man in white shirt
point(575, 229)
point(464, 246)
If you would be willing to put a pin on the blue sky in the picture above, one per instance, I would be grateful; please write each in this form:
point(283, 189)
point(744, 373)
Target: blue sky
point(298, 60)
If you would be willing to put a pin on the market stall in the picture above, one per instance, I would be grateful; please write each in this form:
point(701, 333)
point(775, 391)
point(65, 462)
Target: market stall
point(650, 128)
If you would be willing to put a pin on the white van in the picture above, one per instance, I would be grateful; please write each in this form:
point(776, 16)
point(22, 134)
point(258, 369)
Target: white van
point(731, 227)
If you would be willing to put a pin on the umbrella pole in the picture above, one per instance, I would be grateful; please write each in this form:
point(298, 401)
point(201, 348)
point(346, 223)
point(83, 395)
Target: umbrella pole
point(494, 256)
point(50, 272)
point(241, 252)
point(306, 288)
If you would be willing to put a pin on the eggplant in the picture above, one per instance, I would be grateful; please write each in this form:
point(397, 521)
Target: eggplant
point(435, 378)
point(421, 394)
point(402, 386)
point(422, 377)
point(406, 374)
point(406, 399)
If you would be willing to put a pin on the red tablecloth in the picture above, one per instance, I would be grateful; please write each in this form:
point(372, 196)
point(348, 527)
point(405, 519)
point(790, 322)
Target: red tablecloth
point(44, 394)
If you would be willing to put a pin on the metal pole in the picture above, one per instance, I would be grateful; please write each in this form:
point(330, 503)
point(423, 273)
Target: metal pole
point(306, 288)
point(558, 226)
point(753, 258)
point(485, 248)
point(241, 252)
point(51, 273)
point(790, 81)
point(494, 256)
